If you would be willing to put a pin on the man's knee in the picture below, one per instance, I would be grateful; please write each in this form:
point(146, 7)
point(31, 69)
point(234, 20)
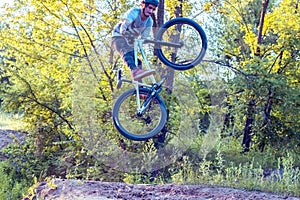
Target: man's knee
point(118, 44)
point(129, 59)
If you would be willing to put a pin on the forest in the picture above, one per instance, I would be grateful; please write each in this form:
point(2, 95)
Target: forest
point(233, 119)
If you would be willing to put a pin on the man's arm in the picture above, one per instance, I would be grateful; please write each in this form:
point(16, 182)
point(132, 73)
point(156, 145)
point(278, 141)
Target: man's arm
point(127, 20)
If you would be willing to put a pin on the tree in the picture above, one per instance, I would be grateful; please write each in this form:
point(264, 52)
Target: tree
point(264, 56)
point(44, 47)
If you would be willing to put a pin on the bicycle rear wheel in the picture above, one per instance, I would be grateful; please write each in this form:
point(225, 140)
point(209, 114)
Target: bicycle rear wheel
point(135, 127)
point(189, 33)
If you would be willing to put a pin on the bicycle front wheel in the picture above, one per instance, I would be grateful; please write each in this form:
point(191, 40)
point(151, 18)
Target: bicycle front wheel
point(192, 37)
point(136, 127)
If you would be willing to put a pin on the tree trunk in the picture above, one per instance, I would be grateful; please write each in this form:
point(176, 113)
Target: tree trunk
point(159, 140)
point(248, 125)
point(265, 4)
point(160, 13)
point(267, 120)
point(167, 72)
point(251, 105)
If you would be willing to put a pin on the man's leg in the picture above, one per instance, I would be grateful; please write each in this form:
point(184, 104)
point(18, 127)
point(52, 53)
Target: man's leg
point(127, 52)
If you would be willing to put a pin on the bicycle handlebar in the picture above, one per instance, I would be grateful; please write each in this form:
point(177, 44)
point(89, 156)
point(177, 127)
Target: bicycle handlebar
point(170, 44)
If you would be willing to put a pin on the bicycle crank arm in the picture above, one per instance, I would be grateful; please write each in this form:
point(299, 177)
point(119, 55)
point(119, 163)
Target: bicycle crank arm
point(119, 82)
point(143, 108)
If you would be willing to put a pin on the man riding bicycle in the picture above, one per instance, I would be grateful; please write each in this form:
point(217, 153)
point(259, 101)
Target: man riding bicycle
point(136, 22)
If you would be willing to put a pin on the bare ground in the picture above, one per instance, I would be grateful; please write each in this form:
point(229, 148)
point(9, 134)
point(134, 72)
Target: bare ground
point(92, 190)
point(61, 189)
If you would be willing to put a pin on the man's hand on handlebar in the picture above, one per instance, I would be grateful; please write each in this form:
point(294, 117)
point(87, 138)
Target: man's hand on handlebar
point(131, 34)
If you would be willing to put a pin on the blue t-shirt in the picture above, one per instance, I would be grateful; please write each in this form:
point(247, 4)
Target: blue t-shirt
point(132, 18)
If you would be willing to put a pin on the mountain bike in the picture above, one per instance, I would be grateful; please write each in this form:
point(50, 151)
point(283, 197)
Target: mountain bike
point(140, 113)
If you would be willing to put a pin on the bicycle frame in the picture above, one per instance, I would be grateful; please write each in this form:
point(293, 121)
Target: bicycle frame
point(155, 86)
point(138, 47)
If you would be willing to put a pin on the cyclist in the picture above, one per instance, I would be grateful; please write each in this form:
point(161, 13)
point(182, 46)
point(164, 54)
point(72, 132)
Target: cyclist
point(137, 22)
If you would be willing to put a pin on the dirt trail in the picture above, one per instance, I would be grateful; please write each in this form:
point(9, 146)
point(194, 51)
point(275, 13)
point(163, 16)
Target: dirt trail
point(92, 190)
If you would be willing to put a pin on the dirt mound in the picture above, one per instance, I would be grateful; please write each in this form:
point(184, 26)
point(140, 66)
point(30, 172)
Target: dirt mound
point(61, 189)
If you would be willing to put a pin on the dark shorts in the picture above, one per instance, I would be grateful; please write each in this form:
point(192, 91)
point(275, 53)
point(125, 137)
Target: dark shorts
point(126, 50)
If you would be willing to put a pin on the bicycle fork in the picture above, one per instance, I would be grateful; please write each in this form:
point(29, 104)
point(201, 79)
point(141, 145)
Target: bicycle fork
point(155, 90)
point(140, 109)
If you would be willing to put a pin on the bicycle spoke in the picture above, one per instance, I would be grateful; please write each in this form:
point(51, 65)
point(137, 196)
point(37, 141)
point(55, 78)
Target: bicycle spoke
point(135, 124)
point(191, 39)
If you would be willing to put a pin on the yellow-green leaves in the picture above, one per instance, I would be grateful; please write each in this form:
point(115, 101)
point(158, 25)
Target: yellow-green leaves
point(250, 38)
point(44, 43)
point(178, 8)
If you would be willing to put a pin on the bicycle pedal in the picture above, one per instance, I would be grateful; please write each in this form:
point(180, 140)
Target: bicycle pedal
point(119, 83)
point(119, 74)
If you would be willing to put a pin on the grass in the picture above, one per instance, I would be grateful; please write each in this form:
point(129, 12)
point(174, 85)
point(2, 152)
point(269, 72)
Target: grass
point(226, 166)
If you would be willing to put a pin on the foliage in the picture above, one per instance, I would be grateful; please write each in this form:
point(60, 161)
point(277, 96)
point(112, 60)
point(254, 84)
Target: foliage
point(12, 185)
point(19, 170)
point(250, 175)
point(227, 167)
point(264, 87)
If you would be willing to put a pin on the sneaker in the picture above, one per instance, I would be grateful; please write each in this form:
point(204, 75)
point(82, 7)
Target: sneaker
point(143, 97)
point(138, 73)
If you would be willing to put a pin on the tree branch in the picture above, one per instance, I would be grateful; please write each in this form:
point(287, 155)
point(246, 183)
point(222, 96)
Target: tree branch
point(35, 99)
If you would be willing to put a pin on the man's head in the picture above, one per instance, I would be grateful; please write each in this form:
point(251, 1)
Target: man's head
point(149, 6)
point(152, 2)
